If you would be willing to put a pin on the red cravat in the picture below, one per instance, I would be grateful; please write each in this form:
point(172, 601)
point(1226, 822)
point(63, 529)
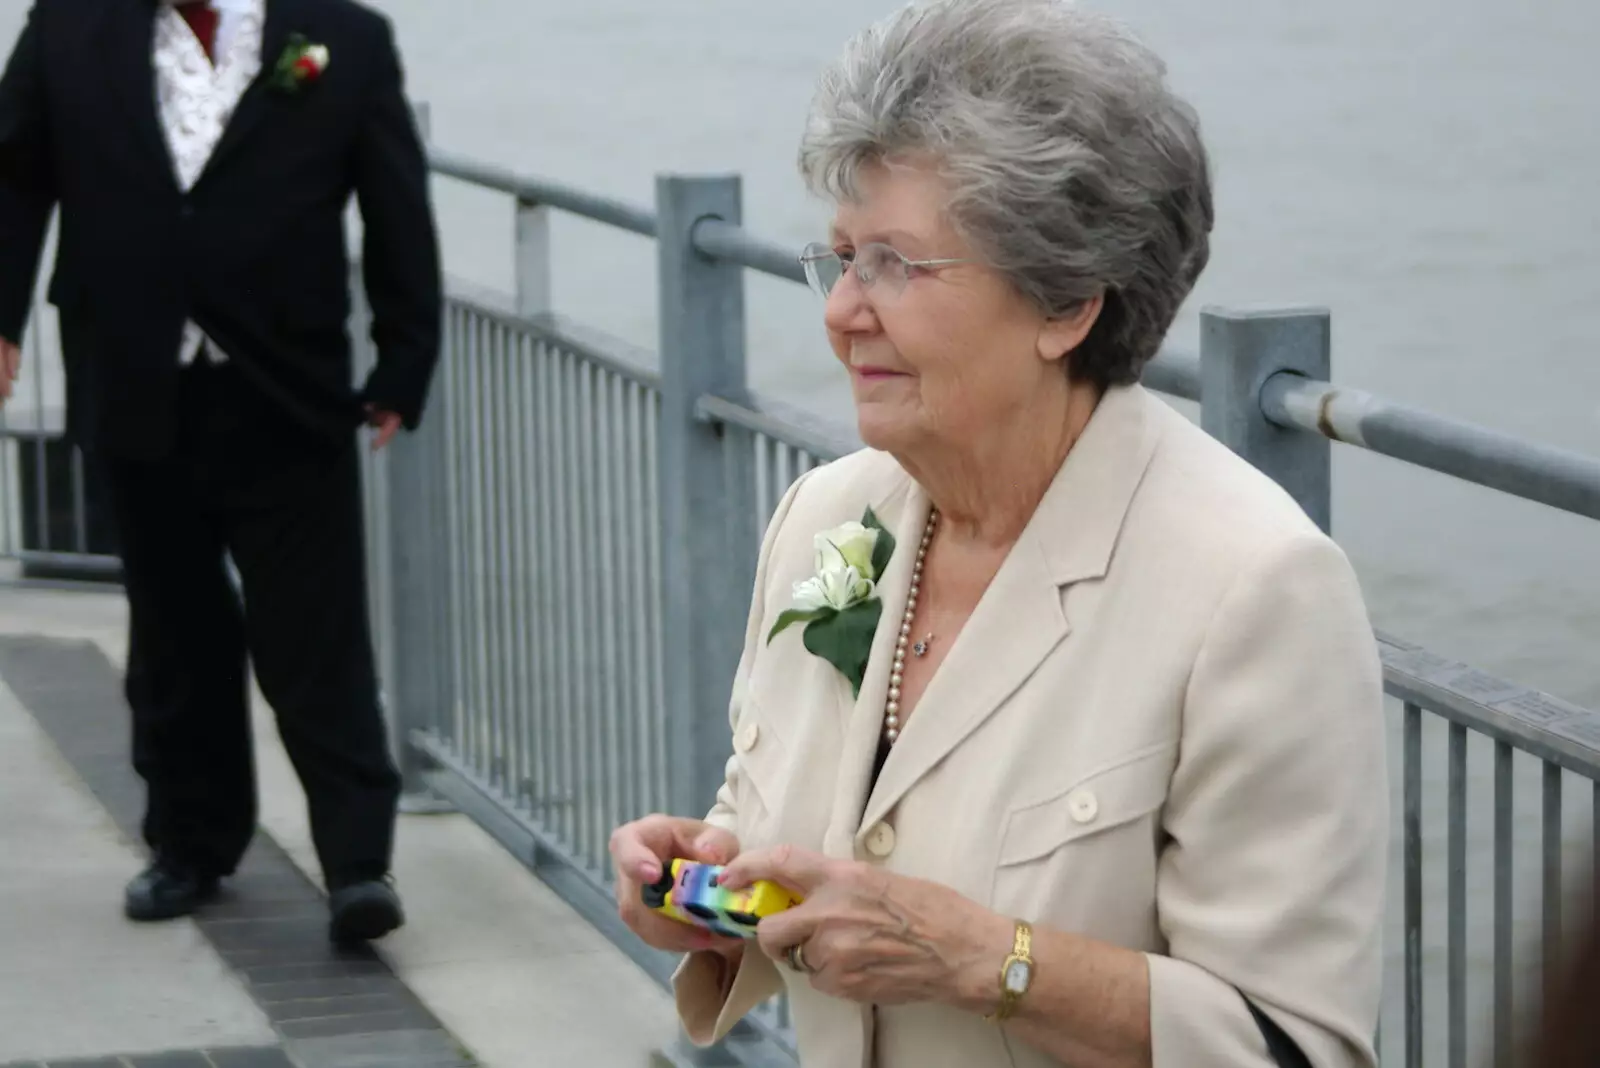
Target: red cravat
point(202, 19)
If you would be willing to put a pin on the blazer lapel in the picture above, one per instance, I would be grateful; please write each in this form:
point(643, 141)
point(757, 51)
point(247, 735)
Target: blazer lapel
point(284, 18)
point(904, 512)
point(1022, 617)
point(128, 37)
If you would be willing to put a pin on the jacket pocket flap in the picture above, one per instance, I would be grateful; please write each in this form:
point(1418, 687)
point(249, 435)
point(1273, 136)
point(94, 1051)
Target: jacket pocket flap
point(1098, 802)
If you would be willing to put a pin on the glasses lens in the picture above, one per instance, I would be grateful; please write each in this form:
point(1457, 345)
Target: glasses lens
point(823, 268)
point(881, 266)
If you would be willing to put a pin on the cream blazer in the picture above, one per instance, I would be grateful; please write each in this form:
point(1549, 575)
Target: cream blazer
point(1161, 728)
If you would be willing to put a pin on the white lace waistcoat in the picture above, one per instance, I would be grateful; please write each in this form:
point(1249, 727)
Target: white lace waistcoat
point(196, 98)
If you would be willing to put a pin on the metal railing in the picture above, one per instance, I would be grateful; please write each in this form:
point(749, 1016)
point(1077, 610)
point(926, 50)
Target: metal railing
point(52, 518)
point(721, 457)
point(561, 559)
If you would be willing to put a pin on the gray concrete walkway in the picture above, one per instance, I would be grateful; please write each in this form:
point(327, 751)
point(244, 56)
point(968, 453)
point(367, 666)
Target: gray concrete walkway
point(492, 969)
point(76, 981)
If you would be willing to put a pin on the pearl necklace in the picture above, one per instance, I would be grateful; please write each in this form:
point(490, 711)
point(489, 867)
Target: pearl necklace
point(891, 709)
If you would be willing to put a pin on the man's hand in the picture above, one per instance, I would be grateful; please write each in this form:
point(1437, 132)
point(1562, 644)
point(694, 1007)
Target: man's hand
point(10, 367)
point(387, 424)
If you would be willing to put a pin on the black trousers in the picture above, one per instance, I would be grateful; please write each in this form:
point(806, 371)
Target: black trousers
point(249, 483)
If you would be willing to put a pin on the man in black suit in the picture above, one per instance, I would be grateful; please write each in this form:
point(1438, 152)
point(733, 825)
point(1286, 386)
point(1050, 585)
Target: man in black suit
point(202, 156)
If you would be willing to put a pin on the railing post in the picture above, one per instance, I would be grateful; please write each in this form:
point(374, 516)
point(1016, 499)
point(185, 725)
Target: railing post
point(706, 488)
point(420, 664)
point(1239, 350)
point(533, 259)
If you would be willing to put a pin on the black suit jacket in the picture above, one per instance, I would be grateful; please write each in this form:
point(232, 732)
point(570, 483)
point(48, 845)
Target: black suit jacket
point(255, 253)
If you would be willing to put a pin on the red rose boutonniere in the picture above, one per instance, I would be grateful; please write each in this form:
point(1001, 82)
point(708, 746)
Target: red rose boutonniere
point(301, 64)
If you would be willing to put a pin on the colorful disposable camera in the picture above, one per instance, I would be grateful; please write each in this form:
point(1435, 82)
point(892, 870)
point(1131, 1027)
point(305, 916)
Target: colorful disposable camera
point(688, 892)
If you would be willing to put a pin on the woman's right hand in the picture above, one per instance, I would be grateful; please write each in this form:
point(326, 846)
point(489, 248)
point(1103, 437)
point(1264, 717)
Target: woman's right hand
point(641, 850)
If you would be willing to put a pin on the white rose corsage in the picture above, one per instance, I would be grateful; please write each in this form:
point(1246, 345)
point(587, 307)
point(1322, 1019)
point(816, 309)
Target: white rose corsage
point(839, 604)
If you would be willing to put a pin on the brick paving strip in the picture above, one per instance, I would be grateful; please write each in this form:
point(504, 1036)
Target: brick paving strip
point(332, 1008)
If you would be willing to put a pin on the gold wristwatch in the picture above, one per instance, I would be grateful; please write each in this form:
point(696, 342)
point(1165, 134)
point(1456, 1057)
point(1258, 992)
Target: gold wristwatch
point(1016, 974)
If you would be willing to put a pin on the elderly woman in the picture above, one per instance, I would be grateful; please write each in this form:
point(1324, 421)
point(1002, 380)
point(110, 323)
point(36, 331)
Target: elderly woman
point(1062, 720)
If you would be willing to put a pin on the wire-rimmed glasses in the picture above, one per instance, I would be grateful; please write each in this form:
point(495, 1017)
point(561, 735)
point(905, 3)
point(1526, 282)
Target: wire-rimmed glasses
point(873, 263)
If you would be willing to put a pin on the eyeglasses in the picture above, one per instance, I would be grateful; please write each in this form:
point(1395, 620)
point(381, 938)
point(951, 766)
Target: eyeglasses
point(873, 263)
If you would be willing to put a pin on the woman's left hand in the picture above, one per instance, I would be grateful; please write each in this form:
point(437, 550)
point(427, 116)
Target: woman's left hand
point(868, 936)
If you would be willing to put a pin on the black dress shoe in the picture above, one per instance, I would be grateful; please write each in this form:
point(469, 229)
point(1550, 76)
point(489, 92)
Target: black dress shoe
point(165, 891)
point(363, 910)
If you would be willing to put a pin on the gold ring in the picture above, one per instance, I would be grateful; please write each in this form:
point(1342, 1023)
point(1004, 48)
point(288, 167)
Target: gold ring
point(796, 956)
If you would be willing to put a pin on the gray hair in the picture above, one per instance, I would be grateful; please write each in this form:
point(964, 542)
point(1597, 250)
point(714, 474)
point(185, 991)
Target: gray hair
point(1072, 167)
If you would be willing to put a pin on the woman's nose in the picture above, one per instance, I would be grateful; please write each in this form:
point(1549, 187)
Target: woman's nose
point(848, 310)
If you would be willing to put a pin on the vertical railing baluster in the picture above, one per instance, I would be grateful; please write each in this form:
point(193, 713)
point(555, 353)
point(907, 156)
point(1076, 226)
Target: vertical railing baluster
point(483, 753)
point(585, 612)
point(456, 475)
point(764, 448)
point(1504, 881)
point(1456, 897)
point(612, 726)
point(1551, 884)
point(494, 462)
point(1411, 839)
point(511, 689)
point(41, 470)
point(471, 524)
point(638, 630)
point(442, 436)
point(8, 466)
point(547, 503)
point(513, 488)
point(570, 547)
point(510, 491)
point(80, 503)
point(786, 474)
point(634, 715)
point(656, 646)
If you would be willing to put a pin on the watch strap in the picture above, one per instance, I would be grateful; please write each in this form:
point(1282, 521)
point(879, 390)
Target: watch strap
point(1020, 958)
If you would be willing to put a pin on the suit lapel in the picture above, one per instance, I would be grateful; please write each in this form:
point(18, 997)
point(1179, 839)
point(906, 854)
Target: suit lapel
point(128, 38)
point(904, 512)
point(1016, 625)
point(284, 18)
point(1022, 617)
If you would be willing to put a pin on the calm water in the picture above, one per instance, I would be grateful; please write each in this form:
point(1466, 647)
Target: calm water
point(1426, 169)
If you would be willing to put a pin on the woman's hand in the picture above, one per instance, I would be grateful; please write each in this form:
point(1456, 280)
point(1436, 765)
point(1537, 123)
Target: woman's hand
point(641, 850)
point(872, 937)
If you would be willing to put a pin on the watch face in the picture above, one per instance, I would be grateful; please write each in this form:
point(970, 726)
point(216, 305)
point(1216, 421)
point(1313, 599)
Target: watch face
point(1019, 973)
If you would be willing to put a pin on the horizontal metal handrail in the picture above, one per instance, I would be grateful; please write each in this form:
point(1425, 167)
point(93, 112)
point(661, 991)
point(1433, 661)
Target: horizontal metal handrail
point(1174, 372)
point(532, 190)
point(781, 422)
point(1530, 720)
point(603, 350)
point(1558, 478)
point(732, 243)
point(1561, 479)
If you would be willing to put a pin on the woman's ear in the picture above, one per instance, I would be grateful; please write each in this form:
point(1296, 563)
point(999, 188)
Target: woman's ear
point(1057, 337)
